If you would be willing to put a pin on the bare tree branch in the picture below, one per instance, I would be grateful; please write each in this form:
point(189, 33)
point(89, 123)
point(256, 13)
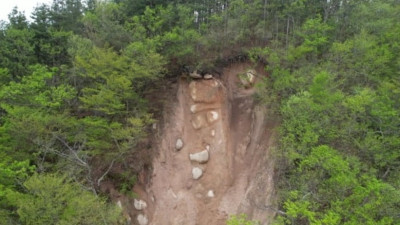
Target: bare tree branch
point(71, 150)
point(107, 171)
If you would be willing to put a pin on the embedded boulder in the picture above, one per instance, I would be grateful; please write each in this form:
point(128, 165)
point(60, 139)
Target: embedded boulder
point(195, 75)
point(208, 76)
point(212, 116)
point(197, 173)
point(179, 144)
point(139, 204)
point(200, 157)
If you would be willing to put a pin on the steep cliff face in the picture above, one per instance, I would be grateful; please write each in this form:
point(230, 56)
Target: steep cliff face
point(214, 156)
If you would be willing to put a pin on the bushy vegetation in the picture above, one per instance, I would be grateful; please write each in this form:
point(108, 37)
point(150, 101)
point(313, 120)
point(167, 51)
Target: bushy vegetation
point(240, 220)
point(337, 81)
point(73, 84)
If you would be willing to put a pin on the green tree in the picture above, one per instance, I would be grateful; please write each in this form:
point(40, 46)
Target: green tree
point(66, 15)
point(12, 175)
point(116, 81)
point(16, 50)
point(49, 39)
point(331, 190)
point(314, 39)
point(104, 26)
point(55, 199)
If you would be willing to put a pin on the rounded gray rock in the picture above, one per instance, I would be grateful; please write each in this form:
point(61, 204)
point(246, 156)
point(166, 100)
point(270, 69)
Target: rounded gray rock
point(179, 144)
point(197, 173)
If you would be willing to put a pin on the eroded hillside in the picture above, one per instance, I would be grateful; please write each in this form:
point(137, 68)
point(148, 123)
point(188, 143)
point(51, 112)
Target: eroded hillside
point(213, 156)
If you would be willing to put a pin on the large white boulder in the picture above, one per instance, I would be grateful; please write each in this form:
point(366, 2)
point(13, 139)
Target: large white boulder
point(139, 204)
point(197, 173)
point(200, 157)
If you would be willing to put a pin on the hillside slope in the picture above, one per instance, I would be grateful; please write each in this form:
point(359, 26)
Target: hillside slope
point(219, 119)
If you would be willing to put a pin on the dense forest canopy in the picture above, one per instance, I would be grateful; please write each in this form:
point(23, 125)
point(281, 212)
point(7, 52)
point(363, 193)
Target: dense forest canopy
point(74, 78)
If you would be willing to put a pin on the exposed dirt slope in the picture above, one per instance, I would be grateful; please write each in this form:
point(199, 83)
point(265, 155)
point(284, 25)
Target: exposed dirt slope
point(217, 117)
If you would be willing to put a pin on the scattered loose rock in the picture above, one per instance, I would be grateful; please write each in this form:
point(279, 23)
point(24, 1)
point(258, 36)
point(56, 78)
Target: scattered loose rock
point(139, 204)
point(179, 144)
point(200, 157)
point(142, 219)
point(197, 173)
point(210, 194)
